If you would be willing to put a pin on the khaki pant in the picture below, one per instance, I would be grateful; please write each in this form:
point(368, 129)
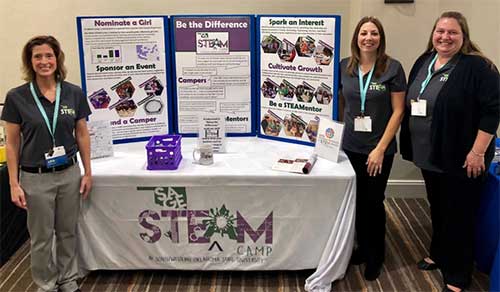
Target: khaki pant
point(53, 202)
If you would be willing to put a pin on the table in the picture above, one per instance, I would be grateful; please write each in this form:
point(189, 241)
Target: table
point(13, 230)
point(236, 214)
point(487, 253)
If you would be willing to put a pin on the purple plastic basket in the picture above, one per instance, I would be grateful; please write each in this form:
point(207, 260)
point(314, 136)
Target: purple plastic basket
point(164, 152)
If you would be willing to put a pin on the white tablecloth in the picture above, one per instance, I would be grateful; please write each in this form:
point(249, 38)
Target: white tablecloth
point(236, 214)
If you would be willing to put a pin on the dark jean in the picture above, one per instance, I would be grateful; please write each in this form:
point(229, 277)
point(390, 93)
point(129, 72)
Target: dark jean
point(370, 210)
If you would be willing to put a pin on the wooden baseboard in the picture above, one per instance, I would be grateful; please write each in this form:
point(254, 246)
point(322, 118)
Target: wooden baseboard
point(401, 188)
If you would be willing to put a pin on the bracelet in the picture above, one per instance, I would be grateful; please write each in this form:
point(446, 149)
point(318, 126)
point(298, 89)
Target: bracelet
point(477, 154)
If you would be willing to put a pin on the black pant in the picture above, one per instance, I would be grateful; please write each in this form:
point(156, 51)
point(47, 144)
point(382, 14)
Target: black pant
point(370, 210)
point(454, 202)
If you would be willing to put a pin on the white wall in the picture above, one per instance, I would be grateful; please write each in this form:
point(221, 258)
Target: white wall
point(407, 29)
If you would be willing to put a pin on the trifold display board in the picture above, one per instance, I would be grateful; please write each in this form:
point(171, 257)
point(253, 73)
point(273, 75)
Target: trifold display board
point(270, 75)
point(297, 75)
point(124, 67)
point(212, 69)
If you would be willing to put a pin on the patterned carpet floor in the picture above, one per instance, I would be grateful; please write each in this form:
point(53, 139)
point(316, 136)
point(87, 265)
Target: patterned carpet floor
point(407, 238)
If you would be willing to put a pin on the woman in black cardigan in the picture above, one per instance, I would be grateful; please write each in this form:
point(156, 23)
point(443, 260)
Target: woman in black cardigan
point(451, 117)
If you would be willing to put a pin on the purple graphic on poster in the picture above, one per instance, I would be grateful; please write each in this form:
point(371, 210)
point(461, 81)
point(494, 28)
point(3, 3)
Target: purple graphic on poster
point(186, 29)
point(213, 65)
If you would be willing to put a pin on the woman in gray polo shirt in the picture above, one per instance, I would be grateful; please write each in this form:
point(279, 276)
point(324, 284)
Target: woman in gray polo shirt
point(372, 88)
point(46, 127)
point(452, 114)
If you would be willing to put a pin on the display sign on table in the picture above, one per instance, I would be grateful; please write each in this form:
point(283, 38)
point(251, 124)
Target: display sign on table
point(213, 71)
point(297, 75)
point(124, 73)
point(212, 131)
point(329, 141)
point(101, 142)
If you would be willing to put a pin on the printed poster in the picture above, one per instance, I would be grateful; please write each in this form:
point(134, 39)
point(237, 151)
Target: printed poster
point(124, 72)
point(213, 71)
point(298, 57)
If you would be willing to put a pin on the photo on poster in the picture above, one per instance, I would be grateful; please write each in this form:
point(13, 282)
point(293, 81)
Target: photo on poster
point(305, 46)
point(100, 99)
point(312, 129)
point(298, 62)
point(323, 53)
point(269, 88)
point(304, 92)
point(324, 94)
point(294, 126)
point(286, 90)
point(152, 86)
point(271, 124)
point(124, 74)
point(213, 63)
point(287, 51)
point(270, 44)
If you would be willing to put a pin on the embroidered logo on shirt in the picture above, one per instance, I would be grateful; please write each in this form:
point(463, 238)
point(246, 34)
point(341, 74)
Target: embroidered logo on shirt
point(375, 86)
point(444, 77)
point(65, 110)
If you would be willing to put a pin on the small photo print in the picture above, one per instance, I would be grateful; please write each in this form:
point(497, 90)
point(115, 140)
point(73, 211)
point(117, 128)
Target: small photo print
point(125, 90)
point(312, 129)
point(324, 94)
point(100, 99)
point(287, 51)
point(126, 108)
point(152, 86)
point(305, 46)
point(304, 92)
point(323, 54)
point(271, 124)
point(286, 90)
point(269, 88)
point(294, 126)
point(270, 44)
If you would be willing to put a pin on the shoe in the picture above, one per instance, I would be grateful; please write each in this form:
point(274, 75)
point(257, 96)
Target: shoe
point(425, 266)
point(357, 258)
point(372, 271)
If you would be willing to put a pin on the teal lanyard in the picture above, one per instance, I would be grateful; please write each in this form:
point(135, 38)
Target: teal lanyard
point(52, 130)
point(363, 88)
point(428, 78)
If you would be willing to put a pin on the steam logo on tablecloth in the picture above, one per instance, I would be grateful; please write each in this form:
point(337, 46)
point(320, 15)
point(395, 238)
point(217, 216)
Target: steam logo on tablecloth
point(217, 227)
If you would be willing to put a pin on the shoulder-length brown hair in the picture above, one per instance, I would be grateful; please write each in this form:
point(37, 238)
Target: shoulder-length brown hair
point(468, 46)
point(382, 57)
point(27, 68)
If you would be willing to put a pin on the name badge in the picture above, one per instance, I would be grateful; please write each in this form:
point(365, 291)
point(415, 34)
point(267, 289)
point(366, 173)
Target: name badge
point(419, 108)
point(363, 124)
point(56, 157)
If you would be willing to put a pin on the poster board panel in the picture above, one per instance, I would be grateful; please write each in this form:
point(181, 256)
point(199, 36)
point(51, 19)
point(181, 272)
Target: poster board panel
point(124, 68)
point(213, 71)
point(297, 75)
